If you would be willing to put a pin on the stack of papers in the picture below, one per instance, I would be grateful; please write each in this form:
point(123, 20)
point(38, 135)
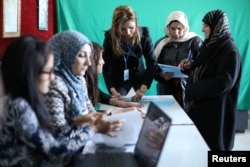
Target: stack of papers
point(173, 69)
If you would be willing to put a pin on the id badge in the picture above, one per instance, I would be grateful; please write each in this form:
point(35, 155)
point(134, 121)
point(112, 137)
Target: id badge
point(126, 74)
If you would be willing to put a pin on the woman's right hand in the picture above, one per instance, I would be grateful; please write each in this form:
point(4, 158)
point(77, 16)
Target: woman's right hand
point(103, 126)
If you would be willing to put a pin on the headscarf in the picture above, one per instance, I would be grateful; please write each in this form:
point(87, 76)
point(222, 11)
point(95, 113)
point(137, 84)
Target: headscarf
point(175, 16)
point(218, 23)
point(66, 46)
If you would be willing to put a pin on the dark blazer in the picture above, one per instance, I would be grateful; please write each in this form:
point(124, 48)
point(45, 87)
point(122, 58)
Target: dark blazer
point(114, 66)
point(103, 97)
point(213, 98)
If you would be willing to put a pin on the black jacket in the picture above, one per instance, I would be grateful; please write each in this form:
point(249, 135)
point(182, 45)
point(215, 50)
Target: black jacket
point(114, 66)
point(213, 98)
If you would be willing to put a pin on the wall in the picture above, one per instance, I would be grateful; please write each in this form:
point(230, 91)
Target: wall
point(94, 17)
point(29, 23)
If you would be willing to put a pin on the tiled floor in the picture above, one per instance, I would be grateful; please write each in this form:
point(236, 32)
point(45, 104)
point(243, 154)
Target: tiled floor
point(242, 140)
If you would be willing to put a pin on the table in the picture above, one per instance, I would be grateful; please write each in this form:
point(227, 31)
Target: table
point(167, 103)
point(184, 145)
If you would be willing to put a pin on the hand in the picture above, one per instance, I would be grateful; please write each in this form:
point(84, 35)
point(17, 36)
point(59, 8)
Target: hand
point(101, 125)
point(121, 110)
point(122, 103)
point(185, 64)
point(115, 93)
point(138, 95)
point(166, 75)
point(85, 119)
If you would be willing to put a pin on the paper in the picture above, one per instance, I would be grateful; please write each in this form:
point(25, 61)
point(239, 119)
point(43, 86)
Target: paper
point(127, 135)
point(176, 70)
point(130, 94)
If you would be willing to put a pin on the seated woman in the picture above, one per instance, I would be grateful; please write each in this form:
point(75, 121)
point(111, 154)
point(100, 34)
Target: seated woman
point(26, 136)
point(91, 76)
point(67, 100)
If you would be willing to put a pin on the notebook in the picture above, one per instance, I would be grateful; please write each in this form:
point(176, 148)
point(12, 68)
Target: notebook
point(147, 150)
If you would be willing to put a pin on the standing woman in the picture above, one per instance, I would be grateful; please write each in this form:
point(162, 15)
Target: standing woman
point(213, 85)
point(125, 45)
point(26, 136)
point(177, 44)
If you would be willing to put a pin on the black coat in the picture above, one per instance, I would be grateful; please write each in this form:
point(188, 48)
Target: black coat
point(213, 98)
point(114, 66)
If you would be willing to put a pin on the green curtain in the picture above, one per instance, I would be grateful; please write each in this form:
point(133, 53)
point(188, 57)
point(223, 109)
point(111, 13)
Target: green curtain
point(93, 17)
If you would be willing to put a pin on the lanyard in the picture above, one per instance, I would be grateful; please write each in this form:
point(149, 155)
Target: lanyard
point(126, 55)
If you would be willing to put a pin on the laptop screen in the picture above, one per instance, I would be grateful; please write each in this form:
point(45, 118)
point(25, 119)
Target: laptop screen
point(152, 136)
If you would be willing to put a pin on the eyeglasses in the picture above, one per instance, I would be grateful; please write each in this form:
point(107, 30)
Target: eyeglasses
point(48, 72)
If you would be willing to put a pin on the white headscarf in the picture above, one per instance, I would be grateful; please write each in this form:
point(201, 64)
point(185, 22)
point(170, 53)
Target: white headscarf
point(174, 16)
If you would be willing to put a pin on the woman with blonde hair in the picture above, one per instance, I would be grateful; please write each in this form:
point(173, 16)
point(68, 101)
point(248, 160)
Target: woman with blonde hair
point(126, 44)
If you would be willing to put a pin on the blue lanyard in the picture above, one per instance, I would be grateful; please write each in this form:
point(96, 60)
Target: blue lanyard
point(126, 55)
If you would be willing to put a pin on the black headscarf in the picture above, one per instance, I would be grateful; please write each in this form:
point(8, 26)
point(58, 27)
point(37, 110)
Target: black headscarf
point(218, 23)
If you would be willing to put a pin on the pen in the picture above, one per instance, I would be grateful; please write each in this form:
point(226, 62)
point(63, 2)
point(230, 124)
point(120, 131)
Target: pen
point(190, 56)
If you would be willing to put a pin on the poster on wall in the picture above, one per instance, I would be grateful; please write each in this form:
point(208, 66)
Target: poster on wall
point(43, 15)
point(10, 16)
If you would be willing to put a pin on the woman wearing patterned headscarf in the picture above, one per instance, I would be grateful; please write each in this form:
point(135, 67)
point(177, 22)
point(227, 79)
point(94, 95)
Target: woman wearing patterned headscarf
point(213, 85)
point(67, 100)
point(177, 44)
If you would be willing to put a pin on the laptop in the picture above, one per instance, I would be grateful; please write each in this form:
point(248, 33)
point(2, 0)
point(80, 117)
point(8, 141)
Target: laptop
point(147, 150)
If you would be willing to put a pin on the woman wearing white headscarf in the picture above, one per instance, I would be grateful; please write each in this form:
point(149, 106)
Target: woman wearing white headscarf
point(213, 84)
point(177, 44)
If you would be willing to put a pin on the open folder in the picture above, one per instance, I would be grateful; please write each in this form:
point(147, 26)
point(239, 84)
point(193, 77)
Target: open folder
point(173, 69)
point(127, 135)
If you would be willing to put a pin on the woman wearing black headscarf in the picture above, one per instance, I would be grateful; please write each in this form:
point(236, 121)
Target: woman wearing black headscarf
point(213, 84)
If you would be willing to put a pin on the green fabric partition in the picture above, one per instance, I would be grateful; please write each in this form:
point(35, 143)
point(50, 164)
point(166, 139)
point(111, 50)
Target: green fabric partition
point(93, 17)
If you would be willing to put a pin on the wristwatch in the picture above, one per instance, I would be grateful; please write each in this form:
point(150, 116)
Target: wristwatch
point(143, 88)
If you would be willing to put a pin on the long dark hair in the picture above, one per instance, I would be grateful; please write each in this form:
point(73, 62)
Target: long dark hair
point(21, 66)
point(91, 74)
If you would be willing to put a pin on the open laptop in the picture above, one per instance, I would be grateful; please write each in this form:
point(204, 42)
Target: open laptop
point(147, 149)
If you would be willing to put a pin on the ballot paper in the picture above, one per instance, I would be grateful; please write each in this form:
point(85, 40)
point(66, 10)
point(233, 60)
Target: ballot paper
point(173, 69)
point(127, 135)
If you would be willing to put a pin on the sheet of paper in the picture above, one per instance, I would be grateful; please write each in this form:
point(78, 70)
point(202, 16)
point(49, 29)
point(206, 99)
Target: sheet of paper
point(127, 135)
point(176, 70)
point(130, 94)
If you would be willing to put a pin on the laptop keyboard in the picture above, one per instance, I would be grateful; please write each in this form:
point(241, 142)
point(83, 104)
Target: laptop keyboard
point(107, 160)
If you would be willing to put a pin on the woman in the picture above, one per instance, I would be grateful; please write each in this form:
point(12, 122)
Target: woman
point(26, 136)
point(67, 100)
point(178, 44)
point(126, 43)
point(213, 84)
point(91, 76)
